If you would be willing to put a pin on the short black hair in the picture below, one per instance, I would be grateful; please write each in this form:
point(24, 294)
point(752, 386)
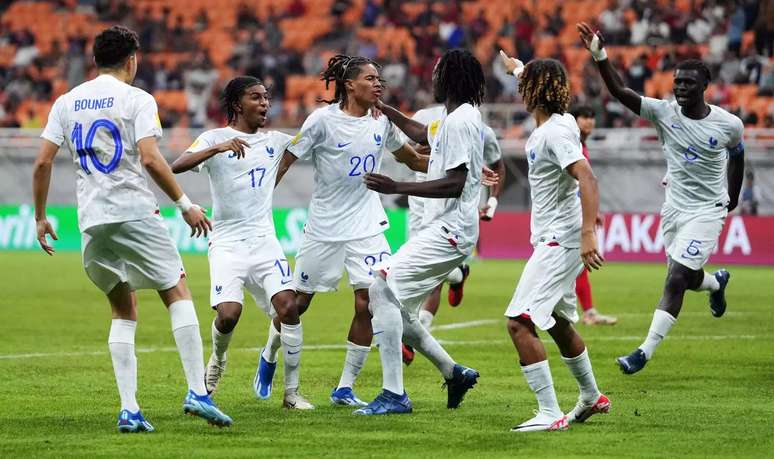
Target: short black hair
point(459, 77)
point(699, 66)
point(234, 91)
point(114, 45)
point(583, 111)
point(340, 69)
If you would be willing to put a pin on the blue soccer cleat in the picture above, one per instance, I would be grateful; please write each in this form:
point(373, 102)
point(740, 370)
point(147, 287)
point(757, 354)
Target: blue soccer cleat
point(386, 403)
point(203, 407)
point(129, 422)
point(463, 379)
point(264, 376)
point(345, 396)
point(633, 362)
point(718, 298)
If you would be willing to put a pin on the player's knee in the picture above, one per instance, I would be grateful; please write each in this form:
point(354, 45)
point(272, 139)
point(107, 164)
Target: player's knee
point(680, 278)
point(361, 303)
point(228, 316)
point(517, 326)
point(302, 300)
point(287, 308)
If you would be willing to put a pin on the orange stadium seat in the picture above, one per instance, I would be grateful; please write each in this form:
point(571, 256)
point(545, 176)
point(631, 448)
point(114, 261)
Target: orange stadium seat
point(172, 100)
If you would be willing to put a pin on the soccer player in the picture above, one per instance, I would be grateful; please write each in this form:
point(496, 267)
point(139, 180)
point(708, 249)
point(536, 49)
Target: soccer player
point(585, 117)
point(244, 251)
point(705, 168)
point(346, 221)
point(449, 235)
point(111, 129)
point(565, 204)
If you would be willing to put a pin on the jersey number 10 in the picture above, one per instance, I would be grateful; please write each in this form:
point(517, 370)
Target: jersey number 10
point(87, 148)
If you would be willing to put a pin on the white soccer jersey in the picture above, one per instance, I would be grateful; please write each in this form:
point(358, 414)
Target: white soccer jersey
point(242, 189)
point(492, 151)
point(343, 149)
point(460, 140)
point(100, 122)
point(696, 152)
point(556, 208)
point(432, 117)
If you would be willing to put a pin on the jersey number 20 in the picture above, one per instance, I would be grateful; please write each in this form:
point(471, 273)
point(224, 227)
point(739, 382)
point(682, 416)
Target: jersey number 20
point(87, 148)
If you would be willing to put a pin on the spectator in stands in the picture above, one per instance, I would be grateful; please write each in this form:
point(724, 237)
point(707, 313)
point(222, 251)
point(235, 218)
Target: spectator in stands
point(371, 12)
point(613, 24)
point(748, 204)
point(736, 28)
point(199, 81)
point(638, 73)
point(764, 28)
point(751, 67)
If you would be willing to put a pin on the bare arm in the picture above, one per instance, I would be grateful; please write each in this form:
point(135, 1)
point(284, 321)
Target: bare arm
point(589, 196)
point(41, 179)
point(412, 158)
point(415, 130)
point(448, 187)
point(188, 161)
point(613, 81)
point(735, 176)
point(499, 167)
point(288, 158)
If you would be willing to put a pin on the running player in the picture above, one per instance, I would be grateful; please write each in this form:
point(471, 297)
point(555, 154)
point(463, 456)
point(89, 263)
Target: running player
point(565, 204)
point(244, 250)
point(447, 239)
point(704, 151)
point(346, 221)
point(584, 116)
point(111, 129)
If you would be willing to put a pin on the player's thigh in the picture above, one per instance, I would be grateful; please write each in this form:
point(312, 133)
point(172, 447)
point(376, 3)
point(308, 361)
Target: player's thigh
point(228, 271)
point(361, 256)
point(416, 215)
point(696, 239)
point(104, 267)
point(269, 273)
point(319, 266)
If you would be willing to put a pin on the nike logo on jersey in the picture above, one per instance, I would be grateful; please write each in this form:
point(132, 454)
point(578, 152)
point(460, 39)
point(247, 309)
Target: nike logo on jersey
point(218, 289)
point(342, 145)
point(676, 126)
point(285, 282)
point(378, 140)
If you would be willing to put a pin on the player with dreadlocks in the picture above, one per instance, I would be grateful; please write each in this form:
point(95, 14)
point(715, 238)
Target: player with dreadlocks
point(449, 234)
point(244, 252)
point(565, 205)
point(705, 168)
point(346, 224)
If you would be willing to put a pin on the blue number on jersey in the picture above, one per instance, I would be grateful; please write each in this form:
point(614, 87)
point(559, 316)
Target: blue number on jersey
point(371, 260)
point(364, 165)
point(252, 172)
point(87, 149)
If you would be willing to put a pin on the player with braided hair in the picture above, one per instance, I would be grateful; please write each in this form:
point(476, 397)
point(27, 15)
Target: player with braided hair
point(346, 224)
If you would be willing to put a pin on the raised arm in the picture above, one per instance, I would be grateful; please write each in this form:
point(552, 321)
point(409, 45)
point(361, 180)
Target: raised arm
point(415, 130)
point(288, 158)
point(589, 196)
point(595, 44)
point(188, 161)
point(448, 187)
point(41, 179)
point(412, 158)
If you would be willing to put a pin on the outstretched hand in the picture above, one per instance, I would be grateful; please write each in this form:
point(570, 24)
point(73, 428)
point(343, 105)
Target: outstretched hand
point(512, 65)
point(593, 41)
point(489, 177)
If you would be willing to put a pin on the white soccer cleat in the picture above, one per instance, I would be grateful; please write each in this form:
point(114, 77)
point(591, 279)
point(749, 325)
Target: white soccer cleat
point(543, 423)
point(295, 401)
point(213, 372)
point(595, 318)
point(584, 410)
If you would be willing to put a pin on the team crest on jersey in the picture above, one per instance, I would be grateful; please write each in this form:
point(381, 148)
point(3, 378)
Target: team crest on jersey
point(270, 151)
point(304, 277)
point(532, 154)
point(218, 289)
point(378, 140)
point(233, 154)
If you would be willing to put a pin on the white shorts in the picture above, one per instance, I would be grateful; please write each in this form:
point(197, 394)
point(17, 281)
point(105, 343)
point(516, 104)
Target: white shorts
point(419, 266)
point(138, 252)
point(257, 264)
point(416, 215)
point(547, 286)
point(320, 264)
point(690, 238)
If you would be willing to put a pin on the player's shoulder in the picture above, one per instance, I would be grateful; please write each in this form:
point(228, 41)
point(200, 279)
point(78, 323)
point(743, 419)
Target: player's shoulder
point(726, 117)
point(278, 137)
point(563, 123)
point(464, 114)
point(428, 114)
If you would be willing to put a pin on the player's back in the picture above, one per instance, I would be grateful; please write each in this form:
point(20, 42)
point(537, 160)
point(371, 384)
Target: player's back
point(100, 123)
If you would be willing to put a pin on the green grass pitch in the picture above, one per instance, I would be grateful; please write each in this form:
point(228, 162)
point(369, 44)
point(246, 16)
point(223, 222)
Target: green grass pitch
point(708, 392)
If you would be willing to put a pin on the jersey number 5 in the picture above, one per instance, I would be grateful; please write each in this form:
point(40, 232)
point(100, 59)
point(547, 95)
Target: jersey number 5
point(87, 148)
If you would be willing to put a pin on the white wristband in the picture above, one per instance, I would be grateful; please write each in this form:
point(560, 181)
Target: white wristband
point(184, 204)
point(598, 52)
point(492, 203)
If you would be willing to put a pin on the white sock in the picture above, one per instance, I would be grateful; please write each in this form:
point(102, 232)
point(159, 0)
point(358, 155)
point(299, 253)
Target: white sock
point(709, 282)
point(538, 376)
point(353, 363)
point(426, 318)
point(417, 336)
point(292, 337)
point(121, 344)
point(580, 367)
point(273, 344)
point(659, 327)
point(220, 342)
point(388, 329)
point(185, 328)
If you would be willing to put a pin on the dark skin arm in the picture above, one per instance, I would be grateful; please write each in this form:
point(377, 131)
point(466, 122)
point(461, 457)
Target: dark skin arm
point(499, 167)
point(415, 130)
point(735, 176)
point(448, 187)
point(415, 160)
point(188, 161)
point(288, 158)
point(612, 79)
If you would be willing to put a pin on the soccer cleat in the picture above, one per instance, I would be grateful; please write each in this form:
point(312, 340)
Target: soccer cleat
point(295, 401)
point(213, 372)
point(633, 362)
point(456, 290)
point(408, 353)
point(543, 423)
point(718, 298)
point(583, 410)
point(595, 318)
point(203, 407)
point(129, 422)
point(463, 379)
point(387, 403)
point(263, 378)
point(345, 396)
